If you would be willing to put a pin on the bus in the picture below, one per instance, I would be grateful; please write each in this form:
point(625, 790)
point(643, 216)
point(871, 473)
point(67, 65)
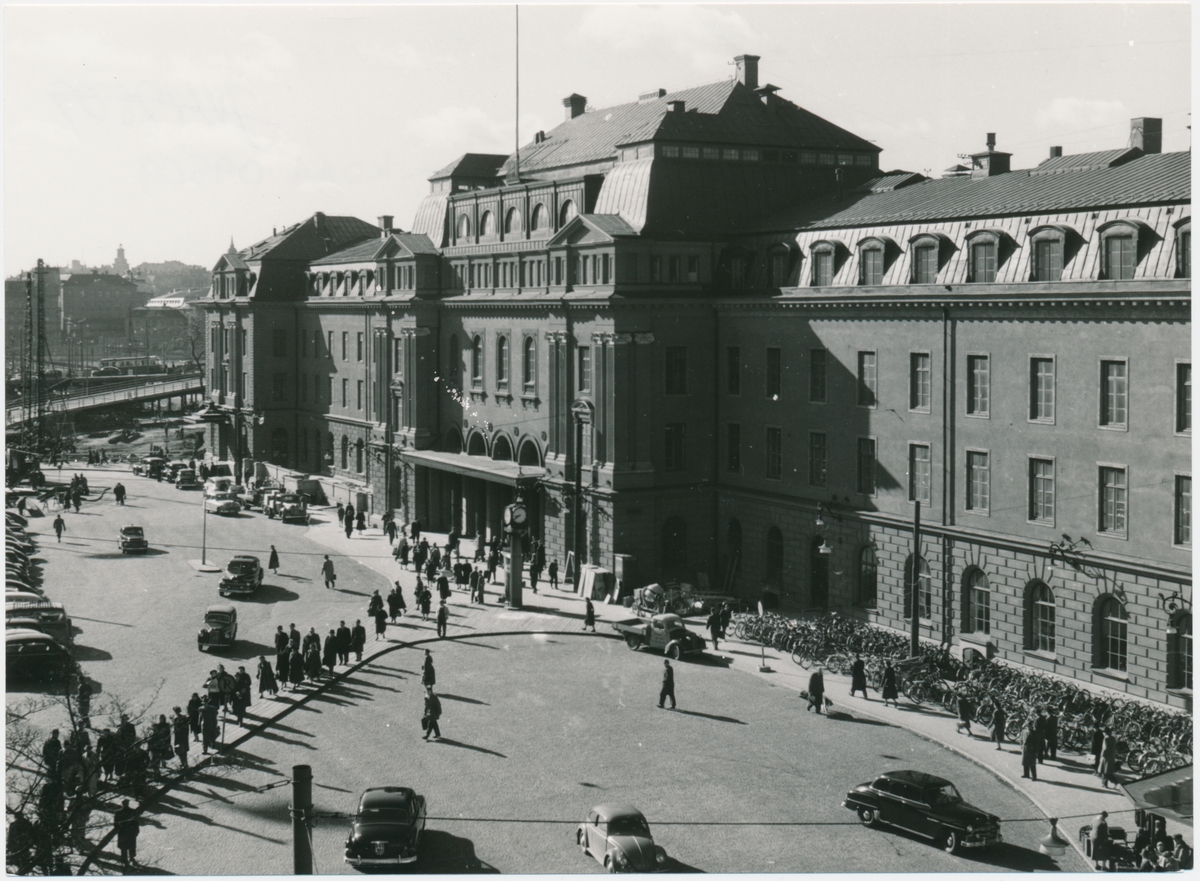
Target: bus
point(130, 366)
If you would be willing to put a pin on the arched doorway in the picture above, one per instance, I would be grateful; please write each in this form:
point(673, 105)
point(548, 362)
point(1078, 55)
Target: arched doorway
point(818, 574)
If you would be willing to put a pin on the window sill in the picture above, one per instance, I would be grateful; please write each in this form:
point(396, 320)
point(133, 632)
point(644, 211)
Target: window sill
point(1049, 524)
point(528, 401)
point(1108, 673)
point(1040, 421)
point(1041, 656)
point(1115, 536)
point(477, 394)
point(978, 415)
point(1113, 427)
point(1185, 693)
point(985, 639)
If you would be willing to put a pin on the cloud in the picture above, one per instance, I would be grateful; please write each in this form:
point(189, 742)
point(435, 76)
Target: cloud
point(1073, 114)
point(700, 37)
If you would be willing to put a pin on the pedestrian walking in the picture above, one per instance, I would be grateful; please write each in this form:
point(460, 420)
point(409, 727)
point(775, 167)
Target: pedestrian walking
point(1029, 753)
point(281, 639)
point(714, 627)
point(349, 526)
point(443, 618)
point(295, 668)
point(228, 686)
point(888, 689)
point(402, 549)
point(106, 750)
point(401, 606)
point(273, 562)
point(375, 604)
point(966, 713)
point(1052, 733)
point(999, 721)
point(433, 712)
point(341, 514)
point(330, 656)
point(816, 690)
point(426, 602)
point(380, 623)
point(589, 615)
point(328, 574)
point(443, 586)
point(179, 737)
point(266, 678)
point(1041, 723)
point(193, 712)
point(160, 743)
point(119, 494)
point(282, 658)
point(344, 640)
point(858, 677)
point(552, 572)
point(83, 702)
point(358, 639)
point(393, 604)
point(389, 529)
point(210, 727)
point(1108, 759)
point(668, 685)
point(1102, 854)
point(51, 754)
point(59, 527)
point(535, 573)
point(312, 664)
point(241, 693)
point(127, 826)
point(360, 522)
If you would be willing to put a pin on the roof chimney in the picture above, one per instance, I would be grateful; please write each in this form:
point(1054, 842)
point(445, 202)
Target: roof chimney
point(677, 106)
point(575, 104)
point(747, 70)
point(539, 137)
point(652, 95)
point(990, 162)
point(991, 141)
point(1145, 133)
point(385, 225)
point(1055, 152)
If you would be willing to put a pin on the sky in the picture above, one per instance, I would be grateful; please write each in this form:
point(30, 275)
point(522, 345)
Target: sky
point(172, 130)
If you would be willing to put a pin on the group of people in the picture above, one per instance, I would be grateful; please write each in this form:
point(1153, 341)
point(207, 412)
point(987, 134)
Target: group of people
point(1153, 849)
point(301, 658)
point(349, 519)
point(718, 622)
point(97, 457)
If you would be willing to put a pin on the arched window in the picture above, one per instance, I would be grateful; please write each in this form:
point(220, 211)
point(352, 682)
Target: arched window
point(827, 259)
point(345, 453)
point(476, 445)
point(924, 588)
point(779, 265)
point(279, 446)
point(487, 224)
point(512, 221)
point(1111, 634)
point(1049, 252)
point(928, 254)
point(977, 602)
point(1039, 618)
point(1118, 249)
point(502, 450)
point(733, 545)
point(1183, 248)
point(875, 256)
point(986, 252)
point(477, 362)
point(868, 577)
point(1179, 651)
point(529, 363)
point(674, 548)
point(358, 456)
point(774, 555)
point(530, 455)
point(566, 213)
point(502, 361)
point(464, 226)
point(537, 221)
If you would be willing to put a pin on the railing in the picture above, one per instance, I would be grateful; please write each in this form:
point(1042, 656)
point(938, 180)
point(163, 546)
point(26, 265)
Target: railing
point(137, 388)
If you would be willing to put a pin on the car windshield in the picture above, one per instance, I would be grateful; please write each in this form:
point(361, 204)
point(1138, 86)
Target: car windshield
point(383, 815)
point(289, 499)
point(223, 497)
point(241, 567)
point(945, 794)
point(628, 826)
point(132, 532)
point(217, 619)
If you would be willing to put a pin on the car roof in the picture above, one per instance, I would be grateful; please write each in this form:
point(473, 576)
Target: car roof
point(21, 634)
point(128, 528)
point(224, 608)
point(386, 797)
point(249, 558)
point(612, 811)
point(919, 778)
point(14, 605)
point(668, 619)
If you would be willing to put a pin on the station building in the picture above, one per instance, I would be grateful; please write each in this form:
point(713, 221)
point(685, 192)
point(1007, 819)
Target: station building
point(758, 354)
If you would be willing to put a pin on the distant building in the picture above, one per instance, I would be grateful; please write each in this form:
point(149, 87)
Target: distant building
point(15, 313)
point(96, 305)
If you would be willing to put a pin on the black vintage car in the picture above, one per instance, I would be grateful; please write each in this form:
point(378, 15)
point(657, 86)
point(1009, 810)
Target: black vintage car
point(925, 805)
point(386, 829)
point(243, 576)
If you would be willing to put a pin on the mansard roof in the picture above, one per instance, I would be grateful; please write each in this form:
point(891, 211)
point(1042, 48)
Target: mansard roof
point(472, 165)
point(399, 244)
point(315, 237)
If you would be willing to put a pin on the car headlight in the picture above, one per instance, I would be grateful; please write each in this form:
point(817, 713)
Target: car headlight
point(619, 858)
point(660, 857)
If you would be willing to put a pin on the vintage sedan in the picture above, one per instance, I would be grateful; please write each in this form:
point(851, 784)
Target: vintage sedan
point(32, 654)
point(223, 503)
point(243, 576)
point(219, 630)
point(618, 837)
point(925, 805)
point(133, 540)
point(41, 615)
point(386, 828)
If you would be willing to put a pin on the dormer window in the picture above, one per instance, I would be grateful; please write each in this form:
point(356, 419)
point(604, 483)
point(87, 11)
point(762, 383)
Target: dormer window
point(512, 221)
point(827, 258)
point(1049, 249)
point(985, 254)
point(926, 258)
point(464, 226)
point(779, 264)
point(1119, 249)
point(874, 259)
point(537, 221)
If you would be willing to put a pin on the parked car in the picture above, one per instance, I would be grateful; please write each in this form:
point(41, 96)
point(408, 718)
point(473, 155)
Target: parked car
point(21, 585)
point(225, 504)
point(22, 596)
point(171, 472)
point(219, 630)
point(619, 838)
point(151, 466)
point(187, 479)
point(288, 507)
point(133, 540)
point(40, 614)
point(665, 633)
point(386, 829)
point(243, 576)
point(32, 654)
point(925, 805)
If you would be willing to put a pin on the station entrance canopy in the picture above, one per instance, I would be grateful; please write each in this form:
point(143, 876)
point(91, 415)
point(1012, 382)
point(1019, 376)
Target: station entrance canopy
point(505, 472)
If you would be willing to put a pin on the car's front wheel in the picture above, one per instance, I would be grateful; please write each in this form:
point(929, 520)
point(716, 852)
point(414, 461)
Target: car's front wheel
point(609, 865)
point(632, 641)
point(950, 841)
point(868, 816)
point(581, 840)
point(673, 652)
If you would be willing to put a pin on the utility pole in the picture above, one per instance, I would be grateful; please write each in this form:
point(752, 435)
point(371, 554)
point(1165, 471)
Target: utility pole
point(302, 858)
point(914, 575)
point(579, 410)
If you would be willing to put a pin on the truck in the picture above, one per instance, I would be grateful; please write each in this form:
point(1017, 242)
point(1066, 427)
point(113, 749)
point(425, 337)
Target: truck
point(664, 633)
point(287, 507)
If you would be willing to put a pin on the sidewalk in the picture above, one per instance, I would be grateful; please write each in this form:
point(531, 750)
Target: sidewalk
point(1066, 788)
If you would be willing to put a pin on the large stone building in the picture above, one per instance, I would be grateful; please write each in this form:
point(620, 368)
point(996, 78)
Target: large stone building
point(758, 353)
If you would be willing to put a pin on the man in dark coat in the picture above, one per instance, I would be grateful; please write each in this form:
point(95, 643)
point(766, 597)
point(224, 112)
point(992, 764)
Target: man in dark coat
point(330, 657)
point(433, 712)
point(858, 677)
point(1029, 752)
point(193, 708)
point(714, 627)
point(1041, 723)
point(282, 658)
point(119, 493)
point(589, 615)
point(358, 639)
point(380, 623)
point(344, 641)
point(281, 639)
point(293, 637)
point(393, 604)
point(375, 604)
point(295, 668)
point(443, 586)
point(179, 736)
point(816, 691)
point(553, 572)
point(106, 749)
point(126, 744)
point(127, 825)
point(51, 753)
point(726, 617)
point(668, 685)
point(428, 674)
point(966, 714)
point(210, 726)
point(389, 528)
point(266, 678)
point(311, 640)
point(443, 618)
point(1052, 732)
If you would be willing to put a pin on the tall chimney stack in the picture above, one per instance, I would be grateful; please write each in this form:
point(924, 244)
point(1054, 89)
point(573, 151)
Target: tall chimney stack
point(575, 105)
point(1055, 152)
point(1145, 133)
point(747, 70)
point(385, 225)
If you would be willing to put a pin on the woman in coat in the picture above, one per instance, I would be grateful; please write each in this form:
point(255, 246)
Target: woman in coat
point(589, 615)
point(1108, 759)
point(193, 710)
point(295, 668)
point(380, 623)
point(888, 686)
point(266, 678)
point(312, 664)
point(393, 603)
point(329, 658)
point(428, 675)
point(426, 602)
point(360, 522)
point(273, 562)
point(281, 665)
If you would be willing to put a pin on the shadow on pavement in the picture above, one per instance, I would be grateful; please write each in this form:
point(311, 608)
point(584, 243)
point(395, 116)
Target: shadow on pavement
point(677, 866)
point(840, 716)
point(479, 749)
point(87, 653)
point(272, 593)
point(244, 650)
point(479, 645)
point(711, 716)
point(465, 700)
point(445, 854)
point(1010, 858)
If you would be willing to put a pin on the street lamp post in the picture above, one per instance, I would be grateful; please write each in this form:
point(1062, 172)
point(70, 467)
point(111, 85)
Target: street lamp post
point(580, 410)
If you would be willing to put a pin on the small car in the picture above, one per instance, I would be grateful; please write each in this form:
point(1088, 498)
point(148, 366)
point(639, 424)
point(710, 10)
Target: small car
point(23, 596)
point(187, 479)
point(41, 615)
point(151, 466)
point(173, 469)
point(35, 655)
point(386, 829)
point(220, 628)
point(619, 838)
point(225, 504)
point(243, 576)
point(133, 540)
point(13, 584)
point(925, 805)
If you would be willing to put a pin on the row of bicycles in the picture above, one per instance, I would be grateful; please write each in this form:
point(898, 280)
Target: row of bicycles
point(1150, 739)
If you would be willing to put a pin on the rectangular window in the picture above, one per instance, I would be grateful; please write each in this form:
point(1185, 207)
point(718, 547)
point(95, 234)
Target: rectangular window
point(1114, 393)
point(872, 266)
point(1041, 389)
point(1113, 499)
point(920, 473)
point(919, 391)
point(676, 370)
point(279, 387)
point(1119, 257)
point(1047, 260)
point(1041, 490)
point(670, 151)
point(1183, 398)
point(817, 373)
point(1183, 509)
point(774, 374)
point(345, 390)
point(655, 268)
point(983, 262)
point(774, 460)
point(978, 385)
point(733, 370)
point(733, 447)
point(278, 342)
point(673, 269)
point(242, 344)
point(242, 386)
point(360, 347)
point(823, 268)
point(674, 458)
point(329, 344)
point(585, 368)
point(345, 346)
point(818, 458)
point(360, 394)
point(867, 379)
point(1185, 271)
point(693, 269)
point(691, 152)
point(925, 264)
point(729, 153)
point(866, 466)
point(979, 482)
